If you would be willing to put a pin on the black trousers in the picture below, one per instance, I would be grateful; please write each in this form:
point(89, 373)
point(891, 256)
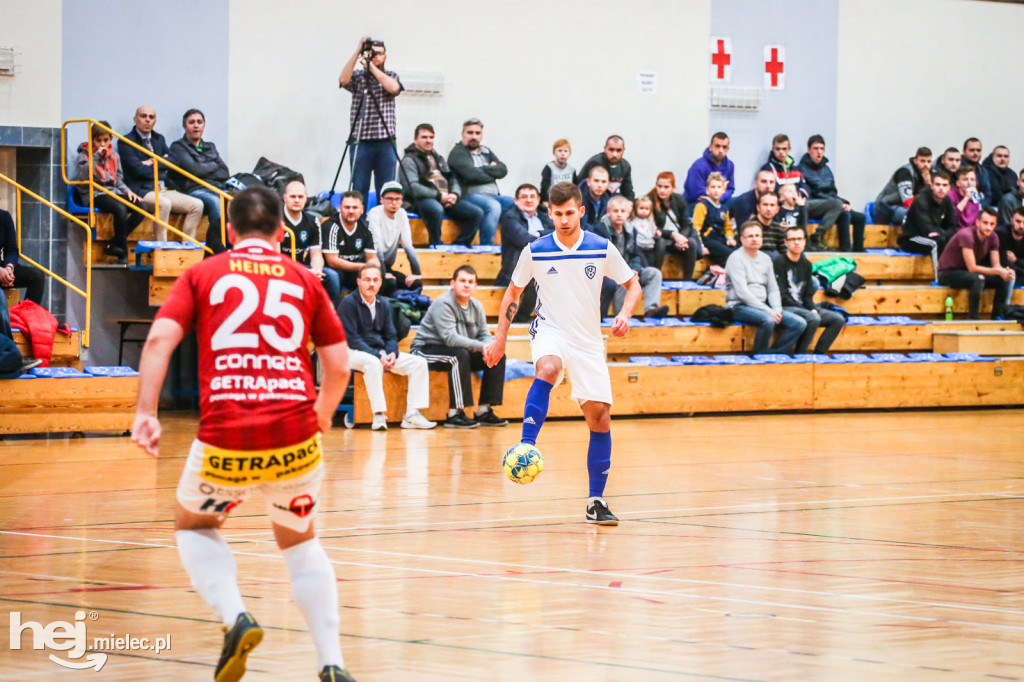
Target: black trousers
point(125, 219)
point(976, 283)
point(689, 257)
point(31, 280)
point(460, 363)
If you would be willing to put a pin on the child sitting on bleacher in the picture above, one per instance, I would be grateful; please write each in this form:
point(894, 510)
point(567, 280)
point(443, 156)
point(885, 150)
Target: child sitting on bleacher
point(712, 222)
point(792, 208)
point(558, 170)
point(647, 234)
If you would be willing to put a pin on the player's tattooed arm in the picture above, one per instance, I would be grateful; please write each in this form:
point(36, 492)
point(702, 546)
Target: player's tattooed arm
point(510, 312)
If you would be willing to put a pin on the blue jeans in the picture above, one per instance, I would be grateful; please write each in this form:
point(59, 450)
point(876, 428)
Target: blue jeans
point(332, 284)
point(792, 327)
point(211, 209)
point(820, 317)
point(493, 207)
point(462, 212)
point(376, 157)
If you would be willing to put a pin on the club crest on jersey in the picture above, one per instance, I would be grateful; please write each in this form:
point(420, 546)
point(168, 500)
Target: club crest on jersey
point(591, 270)
point(303, 235)
point(359, 243)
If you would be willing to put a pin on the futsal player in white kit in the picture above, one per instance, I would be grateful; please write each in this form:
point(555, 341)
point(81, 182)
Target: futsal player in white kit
point(568, 267)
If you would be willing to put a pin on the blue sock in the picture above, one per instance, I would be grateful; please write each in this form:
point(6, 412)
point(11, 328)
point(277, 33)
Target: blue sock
point(536, 410)
point(599, 461)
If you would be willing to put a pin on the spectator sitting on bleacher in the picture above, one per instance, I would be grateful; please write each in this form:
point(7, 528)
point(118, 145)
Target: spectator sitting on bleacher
point(930, 222)
point(373, 348)
point(648, 237)
point(893, 202)
point(822, 199)
point(1001, 178)
point(519, 227)
point(949, 162)
point(200, 158)
point(773, 235)
point(744, 206)
point(615, 229)
point(782, 165)
point(14, 275)
point(1011, 244)
point(620, 175)
point(307, 239)
point(478, 168)
point(797, 287)
point(557, 170)
point(966, 198)
point(752, 294)
point(971, 158)
point(434, 190)
point(713, 223)
point(714, 160)
point(346, 241)
point(138, 175)
point(452, 337)
point(107, 171)
point(1011, 201)
point(671, 215)
point(389, 225)
point(595, 197)
point(792, 209)
point(971, 261)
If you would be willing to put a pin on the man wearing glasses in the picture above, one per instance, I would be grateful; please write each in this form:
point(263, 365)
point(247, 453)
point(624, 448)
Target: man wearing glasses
point(797, 287)
point(389, 225)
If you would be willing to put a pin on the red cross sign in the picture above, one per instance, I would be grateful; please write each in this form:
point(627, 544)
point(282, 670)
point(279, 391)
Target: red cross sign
point(774, 67)
point(721, 60)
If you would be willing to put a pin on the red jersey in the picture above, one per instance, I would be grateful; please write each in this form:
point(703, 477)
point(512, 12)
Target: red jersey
point(254, 312)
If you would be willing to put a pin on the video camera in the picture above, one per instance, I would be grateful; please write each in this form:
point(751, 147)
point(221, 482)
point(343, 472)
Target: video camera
point(368, 45)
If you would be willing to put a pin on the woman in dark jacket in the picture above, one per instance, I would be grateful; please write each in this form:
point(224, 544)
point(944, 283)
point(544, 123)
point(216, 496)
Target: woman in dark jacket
point(673, 219)
point(200, 158)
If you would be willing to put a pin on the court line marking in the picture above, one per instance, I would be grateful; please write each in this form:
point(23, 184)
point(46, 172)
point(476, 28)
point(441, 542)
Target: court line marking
point(752, 506)
point(624, 590)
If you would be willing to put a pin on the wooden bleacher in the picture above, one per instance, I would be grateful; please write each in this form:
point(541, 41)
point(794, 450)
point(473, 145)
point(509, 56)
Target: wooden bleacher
point(897, 286)
point(74, 404)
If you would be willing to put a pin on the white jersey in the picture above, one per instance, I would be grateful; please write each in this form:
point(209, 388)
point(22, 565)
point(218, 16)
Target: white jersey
point(569, 284)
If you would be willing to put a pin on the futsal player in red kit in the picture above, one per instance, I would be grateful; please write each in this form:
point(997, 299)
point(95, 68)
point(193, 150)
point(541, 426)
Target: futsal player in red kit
point(254, 312)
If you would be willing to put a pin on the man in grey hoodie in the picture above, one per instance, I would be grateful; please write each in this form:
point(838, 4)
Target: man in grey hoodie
point(452, 337)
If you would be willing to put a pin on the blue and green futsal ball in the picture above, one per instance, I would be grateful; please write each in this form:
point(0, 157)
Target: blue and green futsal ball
point(523, 463)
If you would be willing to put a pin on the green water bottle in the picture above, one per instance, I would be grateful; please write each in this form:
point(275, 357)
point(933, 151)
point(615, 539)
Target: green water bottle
point(949, 308)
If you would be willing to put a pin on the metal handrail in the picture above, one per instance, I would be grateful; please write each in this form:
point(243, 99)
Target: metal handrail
point(157, 160)
point(87, 294)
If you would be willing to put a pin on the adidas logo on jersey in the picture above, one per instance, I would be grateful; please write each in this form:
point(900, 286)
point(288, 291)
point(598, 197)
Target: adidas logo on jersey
point(552, 271)
point(529, 420)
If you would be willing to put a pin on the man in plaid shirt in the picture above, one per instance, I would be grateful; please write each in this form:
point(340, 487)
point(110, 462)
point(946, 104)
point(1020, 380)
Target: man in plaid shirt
point(372, 87)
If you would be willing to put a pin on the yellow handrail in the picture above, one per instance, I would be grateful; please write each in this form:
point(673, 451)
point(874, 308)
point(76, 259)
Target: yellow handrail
point(157, 160)
point(87, 294)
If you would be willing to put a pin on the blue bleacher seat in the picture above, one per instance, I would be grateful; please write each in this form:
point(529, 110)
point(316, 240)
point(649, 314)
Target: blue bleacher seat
point(75, 208)
point(869, 213)
point(59, 373)
point(110, 371)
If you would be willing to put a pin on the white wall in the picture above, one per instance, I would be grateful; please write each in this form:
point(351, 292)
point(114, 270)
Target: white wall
point(32, 97)
point(533, 71)
point(924, 72)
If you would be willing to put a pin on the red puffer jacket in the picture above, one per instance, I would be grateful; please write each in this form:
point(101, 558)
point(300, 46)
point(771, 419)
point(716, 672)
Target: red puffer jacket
point(40, 326)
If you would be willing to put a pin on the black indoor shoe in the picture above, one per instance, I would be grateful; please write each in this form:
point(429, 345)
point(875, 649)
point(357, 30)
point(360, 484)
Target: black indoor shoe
point(488, 418)
point(332, 673)
point(599, 513)
point(239, 641)
point(659, 311)
point(460, 421)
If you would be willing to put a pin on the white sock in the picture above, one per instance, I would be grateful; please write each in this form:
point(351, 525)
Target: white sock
point(453, 412)
point(315, 590)
point(482, 409)
point(211, 566)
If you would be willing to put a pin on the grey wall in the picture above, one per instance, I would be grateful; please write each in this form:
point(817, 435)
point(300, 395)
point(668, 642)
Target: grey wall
point(807, 106)
point(119, 54)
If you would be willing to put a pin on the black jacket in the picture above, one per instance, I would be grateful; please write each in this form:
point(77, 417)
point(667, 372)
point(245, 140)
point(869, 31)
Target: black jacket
point(515, 235)
point(417, 171)
point(205, 165)
point(363, 333)
point(9, 254)
point(470, 175)
point(926, 216)
point(623, 173)
point(796, 285)
point(677, 204)
point(1001, 181)
point(138, 176)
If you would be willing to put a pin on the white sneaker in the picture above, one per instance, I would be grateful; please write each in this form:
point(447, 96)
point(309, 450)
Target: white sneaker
point(380, 422)
point(417, 421)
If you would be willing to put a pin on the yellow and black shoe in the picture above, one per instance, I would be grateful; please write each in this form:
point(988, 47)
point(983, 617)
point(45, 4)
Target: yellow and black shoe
point(239, 641)
point(332, 673)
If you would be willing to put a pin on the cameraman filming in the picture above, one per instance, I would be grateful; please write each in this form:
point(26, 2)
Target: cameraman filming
point(372, 118)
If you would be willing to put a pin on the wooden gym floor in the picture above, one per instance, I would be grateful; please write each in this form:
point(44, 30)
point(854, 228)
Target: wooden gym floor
point(862, 546)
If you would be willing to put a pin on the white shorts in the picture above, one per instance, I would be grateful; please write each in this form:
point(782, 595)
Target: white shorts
point(586, 366)
point(291, 500)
